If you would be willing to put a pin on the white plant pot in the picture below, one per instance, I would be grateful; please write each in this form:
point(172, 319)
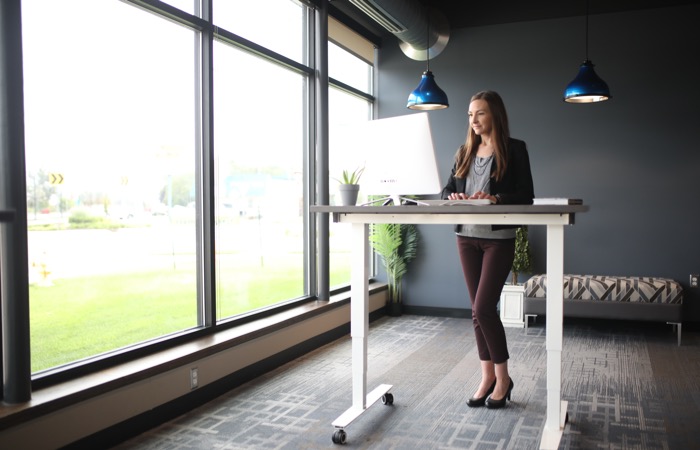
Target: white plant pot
point(511, 305)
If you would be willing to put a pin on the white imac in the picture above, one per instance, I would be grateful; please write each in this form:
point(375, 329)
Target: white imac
point(397, 153)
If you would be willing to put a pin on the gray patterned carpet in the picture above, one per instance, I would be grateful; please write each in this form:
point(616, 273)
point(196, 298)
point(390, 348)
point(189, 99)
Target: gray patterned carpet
point(629, 386)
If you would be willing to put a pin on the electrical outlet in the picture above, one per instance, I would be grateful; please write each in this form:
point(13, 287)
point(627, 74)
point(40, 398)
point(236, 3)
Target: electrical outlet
point(194, 378)
point(694, 280)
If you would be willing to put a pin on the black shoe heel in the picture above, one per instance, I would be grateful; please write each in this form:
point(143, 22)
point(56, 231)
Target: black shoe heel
point(492, 403)
point(481, 401)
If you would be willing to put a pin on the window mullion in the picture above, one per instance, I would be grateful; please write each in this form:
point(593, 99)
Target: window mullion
point(206, 222)
point(310, 260)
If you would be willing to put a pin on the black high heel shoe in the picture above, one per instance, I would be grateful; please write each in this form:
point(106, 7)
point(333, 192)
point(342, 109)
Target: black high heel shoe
point(495, 404)
point(480, 401)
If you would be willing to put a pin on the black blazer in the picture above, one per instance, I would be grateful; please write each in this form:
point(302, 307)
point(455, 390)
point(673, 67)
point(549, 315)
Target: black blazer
point(515, 188)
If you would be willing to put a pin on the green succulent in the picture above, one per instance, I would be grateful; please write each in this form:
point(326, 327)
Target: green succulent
point(351, 177)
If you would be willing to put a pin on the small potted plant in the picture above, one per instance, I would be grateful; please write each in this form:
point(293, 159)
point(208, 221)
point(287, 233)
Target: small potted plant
point(512, 295)
point(349, 186)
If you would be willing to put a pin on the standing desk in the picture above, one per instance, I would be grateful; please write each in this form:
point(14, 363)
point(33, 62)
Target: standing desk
point(554, 217)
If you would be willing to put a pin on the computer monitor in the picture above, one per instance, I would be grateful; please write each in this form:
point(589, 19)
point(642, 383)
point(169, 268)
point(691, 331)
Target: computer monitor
point(398, 155)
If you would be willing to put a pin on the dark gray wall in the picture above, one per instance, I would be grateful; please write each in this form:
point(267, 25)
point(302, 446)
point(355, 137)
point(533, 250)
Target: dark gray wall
point(634, 159)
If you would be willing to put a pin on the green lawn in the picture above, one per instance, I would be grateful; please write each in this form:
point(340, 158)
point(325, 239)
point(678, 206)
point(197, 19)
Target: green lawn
point(77, 318)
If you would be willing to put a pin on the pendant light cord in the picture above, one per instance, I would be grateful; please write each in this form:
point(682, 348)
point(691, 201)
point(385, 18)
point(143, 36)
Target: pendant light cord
point(427, 41)
point(587, 12)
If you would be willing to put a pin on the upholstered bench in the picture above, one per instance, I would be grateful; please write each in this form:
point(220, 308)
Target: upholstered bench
point(610, 297)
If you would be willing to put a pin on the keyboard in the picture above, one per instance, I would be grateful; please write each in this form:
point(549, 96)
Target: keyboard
point(480, 201)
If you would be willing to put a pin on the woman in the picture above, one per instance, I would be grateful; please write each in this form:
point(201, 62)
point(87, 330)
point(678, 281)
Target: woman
point(490, 165)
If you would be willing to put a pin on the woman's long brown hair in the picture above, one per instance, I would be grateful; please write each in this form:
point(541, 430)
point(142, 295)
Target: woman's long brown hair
point(500, 132)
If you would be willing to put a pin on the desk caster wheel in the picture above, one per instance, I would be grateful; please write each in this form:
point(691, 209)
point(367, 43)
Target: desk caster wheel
point(339, 437)
point(388, 399)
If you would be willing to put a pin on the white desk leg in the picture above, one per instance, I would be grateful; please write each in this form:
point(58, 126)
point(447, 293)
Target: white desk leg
point(359, 317)
point(359, 328)
point(556, 408)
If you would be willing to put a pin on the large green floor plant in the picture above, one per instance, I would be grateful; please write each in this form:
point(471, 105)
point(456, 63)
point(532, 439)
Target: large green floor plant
point(397, 244)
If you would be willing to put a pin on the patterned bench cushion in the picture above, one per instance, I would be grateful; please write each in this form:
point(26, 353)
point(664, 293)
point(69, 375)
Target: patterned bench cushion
point(614, 289)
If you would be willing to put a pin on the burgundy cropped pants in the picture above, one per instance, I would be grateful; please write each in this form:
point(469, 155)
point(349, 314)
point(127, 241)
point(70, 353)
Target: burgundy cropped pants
point(486, 264)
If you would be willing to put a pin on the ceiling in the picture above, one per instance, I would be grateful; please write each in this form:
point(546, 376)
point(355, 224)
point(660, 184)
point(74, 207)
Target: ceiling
point(467, 13)
point(472, 13)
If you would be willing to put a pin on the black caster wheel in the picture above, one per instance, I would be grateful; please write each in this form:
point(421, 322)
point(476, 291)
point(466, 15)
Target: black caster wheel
point(388, 399)
point(339, 437)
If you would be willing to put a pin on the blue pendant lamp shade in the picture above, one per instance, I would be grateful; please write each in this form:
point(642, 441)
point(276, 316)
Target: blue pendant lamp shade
point(587, 87)
point(427, 95)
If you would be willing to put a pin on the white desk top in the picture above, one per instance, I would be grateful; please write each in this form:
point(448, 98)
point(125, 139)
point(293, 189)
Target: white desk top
point(452, 214)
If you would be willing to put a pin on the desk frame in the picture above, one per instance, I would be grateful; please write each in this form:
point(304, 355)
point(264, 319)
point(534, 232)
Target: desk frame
point(551, 216)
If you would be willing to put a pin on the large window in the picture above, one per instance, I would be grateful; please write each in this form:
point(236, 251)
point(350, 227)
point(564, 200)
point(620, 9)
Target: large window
point(350, 101)
point(259, 149)
point(125, 211)
point(274, 24)
point(349, 69)
point(110, 150)
point(345, 109)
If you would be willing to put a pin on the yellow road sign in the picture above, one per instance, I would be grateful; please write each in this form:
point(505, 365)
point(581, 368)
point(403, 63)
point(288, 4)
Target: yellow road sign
point(56, 178)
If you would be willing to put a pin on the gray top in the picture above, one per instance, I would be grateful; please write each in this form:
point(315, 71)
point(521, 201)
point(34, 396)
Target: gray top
point(478, 180)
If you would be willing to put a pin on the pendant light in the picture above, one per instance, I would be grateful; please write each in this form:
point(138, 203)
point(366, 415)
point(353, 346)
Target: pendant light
point(428, 95)
point(587, 87)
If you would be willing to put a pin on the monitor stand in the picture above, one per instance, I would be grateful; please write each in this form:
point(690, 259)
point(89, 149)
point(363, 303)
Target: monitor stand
point(396, 200)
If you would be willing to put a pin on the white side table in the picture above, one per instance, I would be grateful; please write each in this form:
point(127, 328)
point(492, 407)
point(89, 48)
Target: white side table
point(511, 305)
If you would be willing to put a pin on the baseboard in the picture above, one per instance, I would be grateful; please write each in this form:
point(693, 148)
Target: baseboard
point(457, 313)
